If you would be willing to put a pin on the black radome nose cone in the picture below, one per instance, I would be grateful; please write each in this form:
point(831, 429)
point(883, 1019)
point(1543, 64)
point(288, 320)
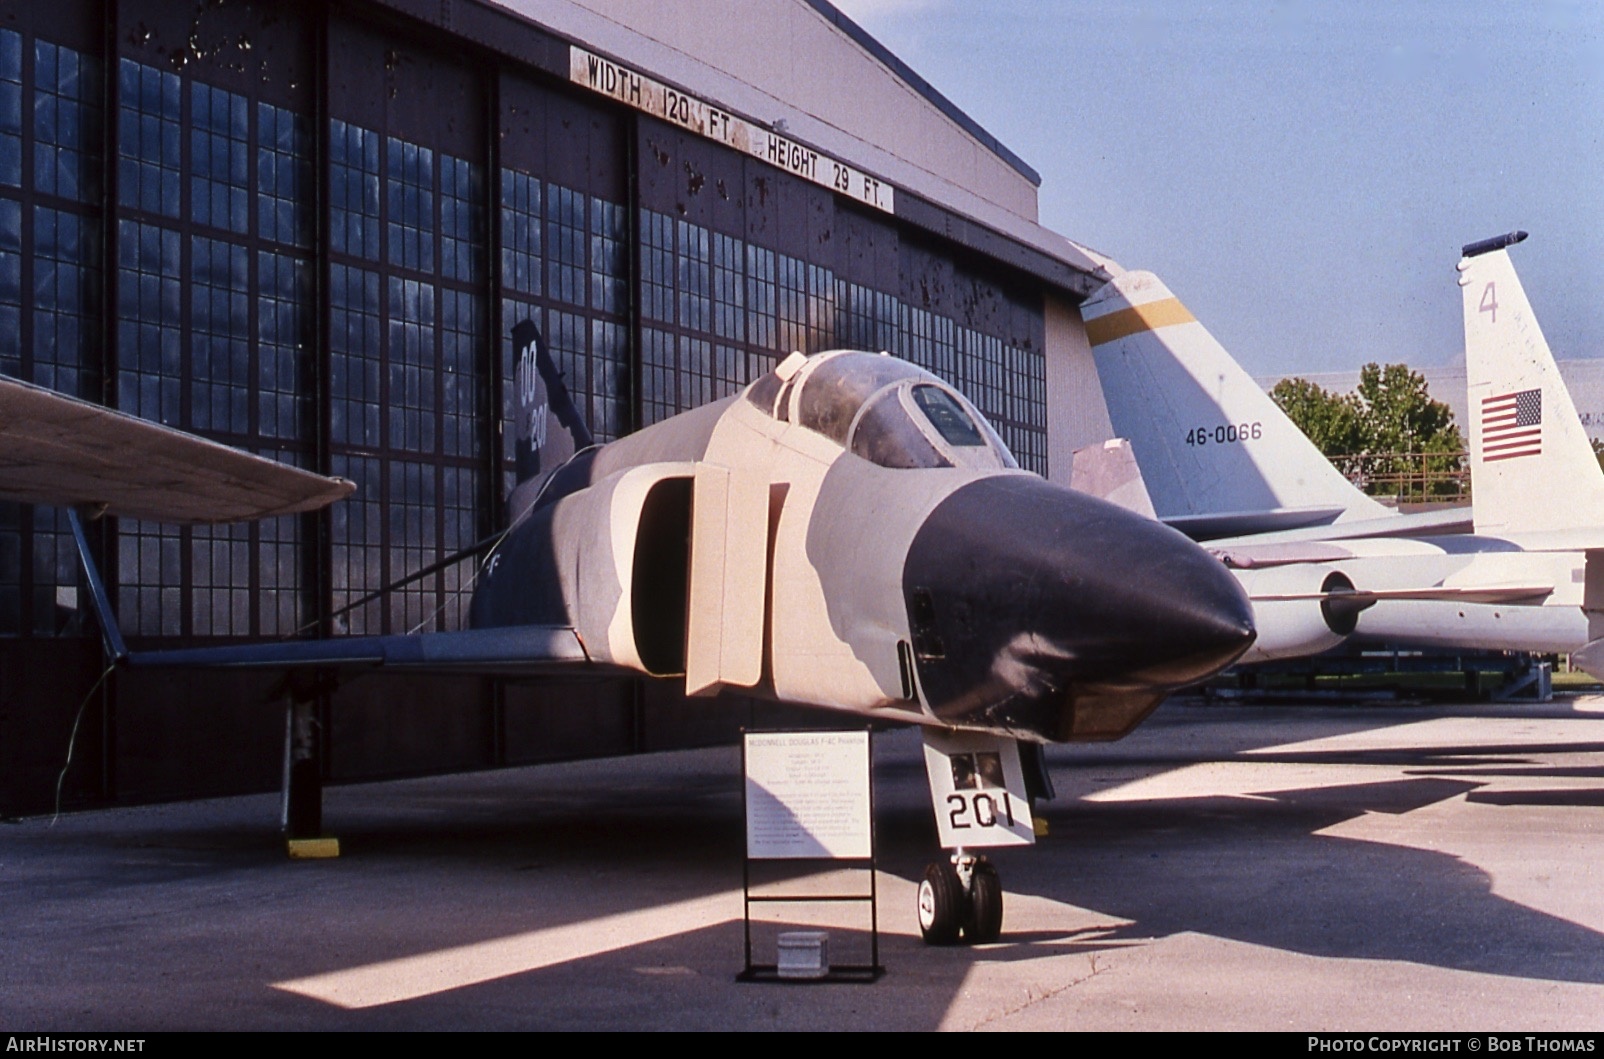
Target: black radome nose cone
point(1020, 592)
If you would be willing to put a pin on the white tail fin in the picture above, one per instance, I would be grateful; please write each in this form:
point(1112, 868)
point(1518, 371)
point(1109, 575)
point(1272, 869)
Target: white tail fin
point(1532, 467)
point(1210, 441)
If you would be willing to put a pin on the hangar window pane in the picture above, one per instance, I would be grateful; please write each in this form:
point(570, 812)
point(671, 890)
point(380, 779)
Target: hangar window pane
point(354, 190)
point(659, 395)
point(150, 568)
point(220, 327)
point(760, 299)
point(354, 356)
point(693, 278)
point(945, 349)
point(461, 219)
point(821, 308)
point(65, 298)
point(461, 330)
point(917, 340)
point(10, 108)
point(414, 506)
point(412, 365)
point(66, 123)
point(566, 274)
point(409, 184)
point(729, 289)
point(220, 571)
point(887, 322)
point(730, 370)
point(609, 257)
point(609, 393)
point(357, 534)
point(219, 158)
point(460, 505)
point(282, 402)
point(695, 370)
point(280, 599)
point(11, 287)
point(148, 139)
point(283, 175)
point(566, 335)
point(793, 304)
point(520, 232)
point(856, 327)
point(657, 267)
point(150, 322)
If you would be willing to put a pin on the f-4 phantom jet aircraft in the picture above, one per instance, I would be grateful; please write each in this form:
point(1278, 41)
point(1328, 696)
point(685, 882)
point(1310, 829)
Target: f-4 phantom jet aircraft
point(847, 533)
point(1321, 561)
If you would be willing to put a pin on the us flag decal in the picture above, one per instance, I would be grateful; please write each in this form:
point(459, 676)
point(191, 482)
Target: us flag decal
point(1511, 425)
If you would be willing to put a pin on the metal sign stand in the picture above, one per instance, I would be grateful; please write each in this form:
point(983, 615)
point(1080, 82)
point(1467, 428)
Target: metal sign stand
point(795, 823)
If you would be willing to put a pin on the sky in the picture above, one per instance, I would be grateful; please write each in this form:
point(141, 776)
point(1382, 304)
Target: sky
point(1301, 175)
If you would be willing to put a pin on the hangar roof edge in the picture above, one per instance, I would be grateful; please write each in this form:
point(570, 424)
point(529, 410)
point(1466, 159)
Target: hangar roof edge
point(887, 58)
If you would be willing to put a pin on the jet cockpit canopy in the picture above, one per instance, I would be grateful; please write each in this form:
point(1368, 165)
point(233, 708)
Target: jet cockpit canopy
point(883, 409)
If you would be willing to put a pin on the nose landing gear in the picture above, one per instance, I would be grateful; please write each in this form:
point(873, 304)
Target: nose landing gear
point(960, 900)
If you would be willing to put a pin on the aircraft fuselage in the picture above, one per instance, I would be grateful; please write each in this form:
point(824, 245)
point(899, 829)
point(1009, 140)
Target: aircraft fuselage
point(849, 533)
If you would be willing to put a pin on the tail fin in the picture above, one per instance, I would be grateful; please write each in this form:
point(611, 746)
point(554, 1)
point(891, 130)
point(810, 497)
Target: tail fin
point(1532, 467)
point(541, 397)
point(1214, 449)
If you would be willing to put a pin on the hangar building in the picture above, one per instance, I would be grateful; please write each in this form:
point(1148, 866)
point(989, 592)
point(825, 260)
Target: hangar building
point(305, 229)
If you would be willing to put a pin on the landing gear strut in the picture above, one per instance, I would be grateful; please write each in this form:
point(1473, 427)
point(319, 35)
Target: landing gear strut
point(960, 899)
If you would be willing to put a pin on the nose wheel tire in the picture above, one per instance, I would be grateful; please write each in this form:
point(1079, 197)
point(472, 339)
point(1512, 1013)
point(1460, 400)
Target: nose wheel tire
point(948, 914)
point(941, 905)
point(983, 921)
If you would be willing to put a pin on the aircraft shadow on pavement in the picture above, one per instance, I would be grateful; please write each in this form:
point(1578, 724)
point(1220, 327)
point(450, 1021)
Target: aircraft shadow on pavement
point(1257, 870)
point(443, 863)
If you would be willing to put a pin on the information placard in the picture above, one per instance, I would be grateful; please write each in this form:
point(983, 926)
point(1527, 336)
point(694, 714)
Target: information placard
point(807, 795)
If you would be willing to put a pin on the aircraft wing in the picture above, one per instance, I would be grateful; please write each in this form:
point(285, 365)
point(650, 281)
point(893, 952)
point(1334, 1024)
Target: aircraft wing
point(511, 651)
point(1437, 593)
point(61, 451)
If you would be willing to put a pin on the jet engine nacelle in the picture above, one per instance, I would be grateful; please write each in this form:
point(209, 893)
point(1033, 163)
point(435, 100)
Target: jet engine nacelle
point(1298, 610)
point(625, 575)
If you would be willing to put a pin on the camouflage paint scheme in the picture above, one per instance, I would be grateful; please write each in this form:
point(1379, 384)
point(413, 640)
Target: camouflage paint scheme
point(905, 567)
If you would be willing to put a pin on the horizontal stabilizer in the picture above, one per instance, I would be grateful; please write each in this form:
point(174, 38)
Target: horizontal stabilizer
point(1220, 524)
point(508, 651)
point(1448, 520)
point(61, 451)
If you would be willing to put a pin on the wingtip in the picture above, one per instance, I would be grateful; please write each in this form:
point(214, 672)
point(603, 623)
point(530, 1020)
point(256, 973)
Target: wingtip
point(1487, 246)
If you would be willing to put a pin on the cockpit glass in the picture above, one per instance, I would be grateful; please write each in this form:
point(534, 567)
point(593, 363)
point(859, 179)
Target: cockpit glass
point(949, 419)
point(835, 390)
point(763, 392)
point(887, 435)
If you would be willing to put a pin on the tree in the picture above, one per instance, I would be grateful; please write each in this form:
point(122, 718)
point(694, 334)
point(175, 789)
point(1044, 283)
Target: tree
point(1330, 420)
point(1414, 443)
point(1389, 435)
